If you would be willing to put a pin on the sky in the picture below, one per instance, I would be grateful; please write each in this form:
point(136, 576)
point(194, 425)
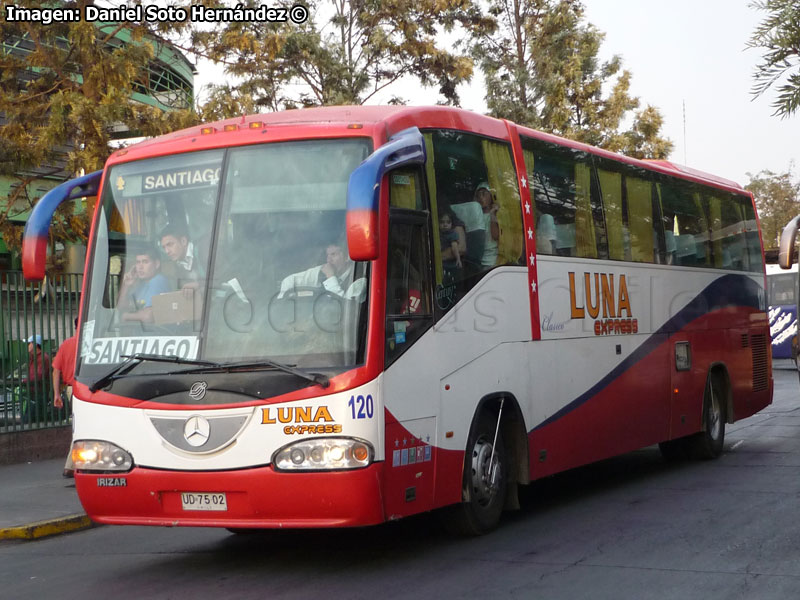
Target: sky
point(687, 57)
point(693, 52)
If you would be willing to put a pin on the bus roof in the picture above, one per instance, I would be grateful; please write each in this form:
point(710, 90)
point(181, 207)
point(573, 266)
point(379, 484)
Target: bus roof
point(397, 118)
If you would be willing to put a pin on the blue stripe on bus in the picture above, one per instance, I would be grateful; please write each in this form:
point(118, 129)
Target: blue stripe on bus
point(726, 291)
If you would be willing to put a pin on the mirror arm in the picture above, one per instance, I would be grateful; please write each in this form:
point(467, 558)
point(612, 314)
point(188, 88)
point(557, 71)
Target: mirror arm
point(35, 236)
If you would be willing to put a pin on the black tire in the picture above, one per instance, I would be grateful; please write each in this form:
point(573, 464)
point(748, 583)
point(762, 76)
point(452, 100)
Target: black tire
point(484, 499)
point(708, 443)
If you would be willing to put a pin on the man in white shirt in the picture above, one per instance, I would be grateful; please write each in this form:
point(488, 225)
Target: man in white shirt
point(188, 266)
point(335, 276)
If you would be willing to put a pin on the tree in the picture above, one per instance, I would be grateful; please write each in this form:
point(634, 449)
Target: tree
point(777, 200)
point(65, 91)
point(513, 47)
point(779, 35)
point(542, 69)
point(346, 53)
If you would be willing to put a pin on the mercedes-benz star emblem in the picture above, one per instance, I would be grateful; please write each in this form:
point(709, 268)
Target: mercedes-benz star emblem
point(198, 390)
point(196, 430)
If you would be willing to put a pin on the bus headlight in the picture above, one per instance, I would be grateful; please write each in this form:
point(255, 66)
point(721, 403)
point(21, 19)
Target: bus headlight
point(323, 454)
point(96, 455)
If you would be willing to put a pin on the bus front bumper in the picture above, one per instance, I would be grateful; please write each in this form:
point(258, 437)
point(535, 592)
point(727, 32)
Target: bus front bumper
point(254, 498)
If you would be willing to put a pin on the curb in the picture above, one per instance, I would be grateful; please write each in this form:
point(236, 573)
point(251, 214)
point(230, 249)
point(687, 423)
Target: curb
point(42, 529)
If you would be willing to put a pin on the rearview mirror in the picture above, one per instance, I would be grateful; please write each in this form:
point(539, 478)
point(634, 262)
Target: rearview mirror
point(786, 248)
point(363, 190)
point(35, 236)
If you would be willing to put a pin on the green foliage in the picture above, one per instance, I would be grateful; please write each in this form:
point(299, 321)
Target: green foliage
point(345, 53)
point(779, 35)
point(65, 99)
point(542, 69)
point(777, 198)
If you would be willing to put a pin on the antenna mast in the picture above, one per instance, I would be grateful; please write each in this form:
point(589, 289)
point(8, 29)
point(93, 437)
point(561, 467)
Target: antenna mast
point(685, 160)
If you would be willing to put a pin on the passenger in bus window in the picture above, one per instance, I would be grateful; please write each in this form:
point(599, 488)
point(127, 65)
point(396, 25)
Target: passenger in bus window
point(448, 240)
point(485, 197)
point(458, 252)
point(140, 284)
point(189, 267)
point(472, 233)
point(335, 276)
point(546, 234)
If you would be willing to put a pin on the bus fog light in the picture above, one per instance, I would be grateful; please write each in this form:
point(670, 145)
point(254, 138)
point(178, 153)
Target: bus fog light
point(323, 454)
point(96, 455)
point(317, 454)
point(298, 456)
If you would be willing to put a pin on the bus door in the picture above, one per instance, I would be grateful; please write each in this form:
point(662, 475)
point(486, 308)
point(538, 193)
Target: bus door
point(411, 420)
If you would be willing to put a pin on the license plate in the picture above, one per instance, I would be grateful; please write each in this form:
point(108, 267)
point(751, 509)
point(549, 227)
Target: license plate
point(203, 501)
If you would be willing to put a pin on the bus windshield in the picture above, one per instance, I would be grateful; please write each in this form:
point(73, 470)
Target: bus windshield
point(225, 256)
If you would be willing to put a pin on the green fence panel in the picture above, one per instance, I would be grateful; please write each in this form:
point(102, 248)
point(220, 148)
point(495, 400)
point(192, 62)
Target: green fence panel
point(31, 309)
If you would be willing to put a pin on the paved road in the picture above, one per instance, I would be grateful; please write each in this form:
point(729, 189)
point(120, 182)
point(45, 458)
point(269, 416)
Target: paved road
point(631, 527)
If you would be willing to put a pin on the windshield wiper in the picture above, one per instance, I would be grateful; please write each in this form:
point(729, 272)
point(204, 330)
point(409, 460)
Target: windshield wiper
point(131, 360)
point(317, 378)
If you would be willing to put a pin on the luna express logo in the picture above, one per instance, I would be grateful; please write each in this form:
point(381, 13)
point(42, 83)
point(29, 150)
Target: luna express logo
point(301, 419)
point(602, 293)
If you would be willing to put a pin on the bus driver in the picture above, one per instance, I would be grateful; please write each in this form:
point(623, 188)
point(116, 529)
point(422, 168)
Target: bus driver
point(336, 276)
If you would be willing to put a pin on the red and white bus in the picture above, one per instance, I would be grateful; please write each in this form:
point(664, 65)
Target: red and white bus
point(331, 357)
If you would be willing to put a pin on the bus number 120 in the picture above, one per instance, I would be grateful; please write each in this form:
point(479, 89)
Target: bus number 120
point(360, 407)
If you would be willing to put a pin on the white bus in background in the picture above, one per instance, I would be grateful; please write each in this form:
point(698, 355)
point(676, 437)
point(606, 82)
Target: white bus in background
point(782, 299)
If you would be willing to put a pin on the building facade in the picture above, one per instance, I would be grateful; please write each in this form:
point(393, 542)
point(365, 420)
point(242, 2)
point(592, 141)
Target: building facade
point(169, 86)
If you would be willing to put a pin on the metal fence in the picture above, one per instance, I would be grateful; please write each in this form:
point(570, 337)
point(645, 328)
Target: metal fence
point(28, 310)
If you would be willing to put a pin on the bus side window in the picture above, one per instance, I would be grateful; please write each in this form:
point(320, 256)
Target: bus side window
point(409, 289)
point(461, 168)
point(569, 215)
point(630, 214)
point(752, 239)
point(685, 214)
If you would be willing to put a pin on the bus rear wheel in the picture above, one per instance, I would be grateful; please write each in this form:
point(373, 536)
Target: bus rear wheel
point(486, 472)
point(708, 443)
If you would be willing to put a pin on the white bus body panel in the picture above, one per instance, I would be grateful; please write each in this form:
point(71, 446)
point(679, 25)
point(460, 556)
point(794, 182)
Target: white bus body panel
point(253, 445)
point(483, 345)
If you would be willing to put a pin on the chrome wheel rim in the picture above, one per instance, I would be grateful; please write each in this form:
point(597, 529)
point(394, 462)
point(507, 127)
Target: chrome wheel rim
point(485, 477)
point(714, 418)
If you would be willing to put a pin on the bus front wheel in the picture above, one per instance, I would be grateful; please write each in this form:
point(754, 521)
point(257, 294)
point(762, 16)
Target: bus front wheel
point(486, 473)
